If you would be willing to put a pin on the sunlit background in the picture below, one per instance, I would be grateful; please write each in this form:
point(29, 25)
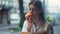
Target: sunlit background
point(10, 20)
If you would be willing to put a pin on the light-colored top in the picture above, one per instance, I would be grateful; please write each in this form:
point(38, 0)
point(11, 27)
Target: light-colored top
point(34, 29)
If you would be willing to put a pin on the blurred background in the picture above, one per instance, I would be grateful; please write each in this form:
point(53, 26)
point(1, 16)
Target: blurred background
point(12, 15)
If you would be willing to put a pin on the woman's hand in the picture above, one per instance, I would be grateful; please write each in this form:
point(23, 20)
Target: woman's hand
point(28, 17)
point(29, 20)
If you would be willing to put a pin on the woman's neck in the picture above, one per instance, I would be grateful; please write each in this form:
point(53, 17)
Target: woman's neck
point(39, 23)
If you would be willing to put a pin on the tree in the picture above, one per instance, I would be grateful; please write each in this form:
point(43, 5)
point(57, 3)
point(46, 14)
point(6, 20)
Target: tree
point(32, 0)
point(22, 17)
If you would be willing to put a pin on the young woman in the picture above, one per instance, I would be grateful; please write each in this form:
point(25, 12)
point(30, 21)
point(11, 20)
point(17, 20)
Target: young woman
point(35, 21)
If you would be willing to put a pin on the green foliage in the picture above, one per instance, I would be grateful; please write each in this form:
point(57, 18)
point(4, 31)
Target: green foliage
point(50, 19)
point(19, 28)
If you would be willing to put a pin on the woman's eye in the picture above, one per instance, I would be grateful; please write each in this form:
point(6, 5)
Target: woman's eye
point(29, 9)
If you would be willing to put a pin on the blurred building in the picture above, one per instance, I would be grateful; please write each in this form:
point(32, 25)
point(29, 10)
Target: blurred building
point(13, 3)
point(11, 10)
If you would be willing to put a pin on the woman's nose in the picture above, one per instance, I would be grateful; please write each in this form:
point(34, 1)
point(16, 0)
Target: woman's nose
point(31, 11)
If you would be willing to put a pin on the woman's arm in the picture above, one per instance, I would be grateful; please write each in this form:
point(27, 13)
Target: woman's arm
point(27, 26)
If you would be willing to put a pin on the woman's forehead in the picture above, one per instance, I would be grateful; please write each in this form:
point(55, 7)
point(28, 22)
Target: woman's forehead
point(32, 6)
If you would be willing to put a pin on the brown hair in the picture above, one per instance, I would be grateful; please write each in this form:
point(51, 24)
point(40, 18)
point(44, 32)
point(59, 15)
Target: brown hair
point(38, 5)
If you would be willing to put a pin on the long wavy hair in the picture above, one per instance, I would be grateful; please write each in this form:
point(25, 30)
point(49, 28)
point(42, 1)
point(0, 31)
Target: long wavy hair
point(38, 5)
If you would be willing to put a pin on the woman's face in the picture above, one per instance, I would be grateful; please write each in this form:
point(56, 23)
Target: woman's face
point(33, 10)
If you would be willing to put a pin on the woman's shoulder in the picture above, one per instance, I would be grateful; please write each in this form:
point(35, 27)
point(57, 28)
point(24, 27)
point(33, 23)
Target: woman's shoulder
point(50, 28)
point(25, 21)
point(49, 25)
